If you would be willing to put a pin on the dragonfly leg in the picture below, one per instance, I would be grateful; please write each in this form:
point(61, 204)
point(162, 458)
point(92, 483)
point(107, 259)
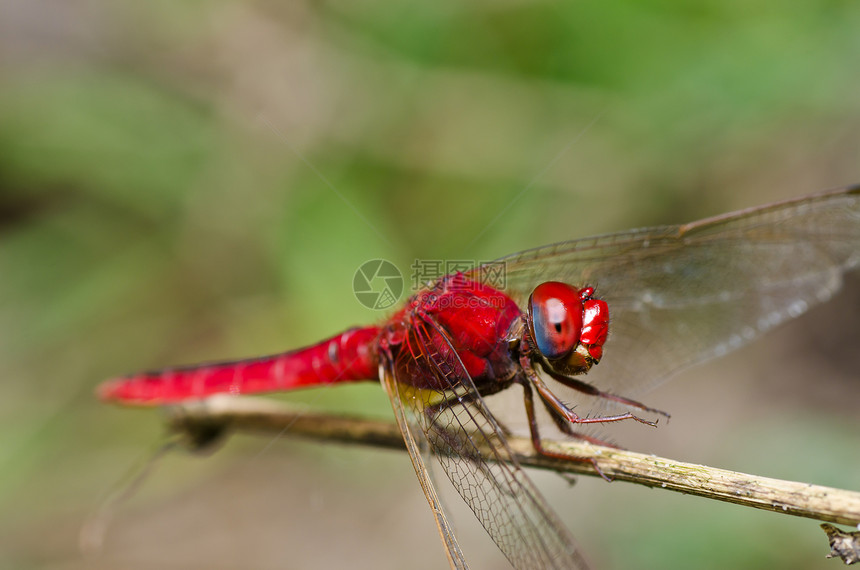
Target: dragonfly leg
point(567, 429)
point(528, 398)
point(558, 407)
point(587, 388)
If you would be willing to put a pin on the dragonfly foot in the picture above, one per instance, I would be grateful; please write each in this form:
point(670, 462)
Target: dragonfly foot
point(600, 472)
point(644, 421)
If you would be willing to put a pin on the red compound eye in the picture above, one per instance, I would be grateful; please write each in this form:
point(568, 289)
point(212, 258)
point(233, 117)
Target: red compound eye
point(555, 318)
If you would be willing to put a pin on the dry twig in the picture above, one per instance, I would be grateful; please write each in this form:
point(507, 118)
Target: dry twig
point(202, 421)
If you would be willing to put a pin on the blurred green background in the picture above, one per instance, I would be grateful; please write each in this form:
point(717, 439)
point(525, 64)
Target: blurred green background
point(192, 181)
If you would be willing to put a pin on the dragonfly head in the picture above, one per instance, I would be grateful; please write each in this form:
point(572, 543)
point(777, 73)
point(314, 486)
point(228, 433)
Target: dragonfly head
point(568, 326)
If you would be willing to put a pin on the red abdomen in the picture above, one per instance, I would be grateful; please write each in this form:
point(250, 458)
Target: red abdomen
point(349, 356)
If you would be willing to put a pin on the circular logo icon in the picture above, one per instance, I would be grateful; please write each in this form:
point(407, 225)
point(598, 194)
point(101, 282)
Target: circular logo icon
point(377, 284)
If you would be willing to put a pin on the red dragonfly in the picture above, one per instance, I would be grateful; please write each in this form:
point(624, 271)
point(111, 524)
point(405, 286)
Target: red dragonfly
point(629, 309)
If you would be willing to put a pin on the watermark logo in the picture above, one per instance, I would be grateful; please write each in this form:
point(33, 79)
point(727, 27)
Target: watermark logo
point(492, 273)
point(377, 284)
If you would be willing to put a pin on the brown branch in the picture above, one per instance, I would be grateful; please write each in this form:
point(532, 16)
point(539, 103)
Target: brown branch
point(201, 422)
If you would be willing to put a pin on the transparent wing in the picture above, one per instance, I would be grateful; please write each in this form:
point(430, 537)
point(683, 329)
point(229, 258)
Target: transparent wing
point(679, 295)
point(452, 549)
point(474, 454)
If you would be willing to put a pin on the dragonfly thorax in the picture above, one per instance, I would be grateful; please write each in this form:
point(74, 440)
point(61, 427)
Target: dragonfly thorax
point(463, 319)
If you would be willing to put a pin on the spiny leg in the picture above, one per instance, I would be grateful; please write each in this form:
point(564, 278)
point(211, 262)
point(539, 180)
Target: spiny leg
point(556, 406)
point(567, 429)
point(528, 398)
point(587, 388)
